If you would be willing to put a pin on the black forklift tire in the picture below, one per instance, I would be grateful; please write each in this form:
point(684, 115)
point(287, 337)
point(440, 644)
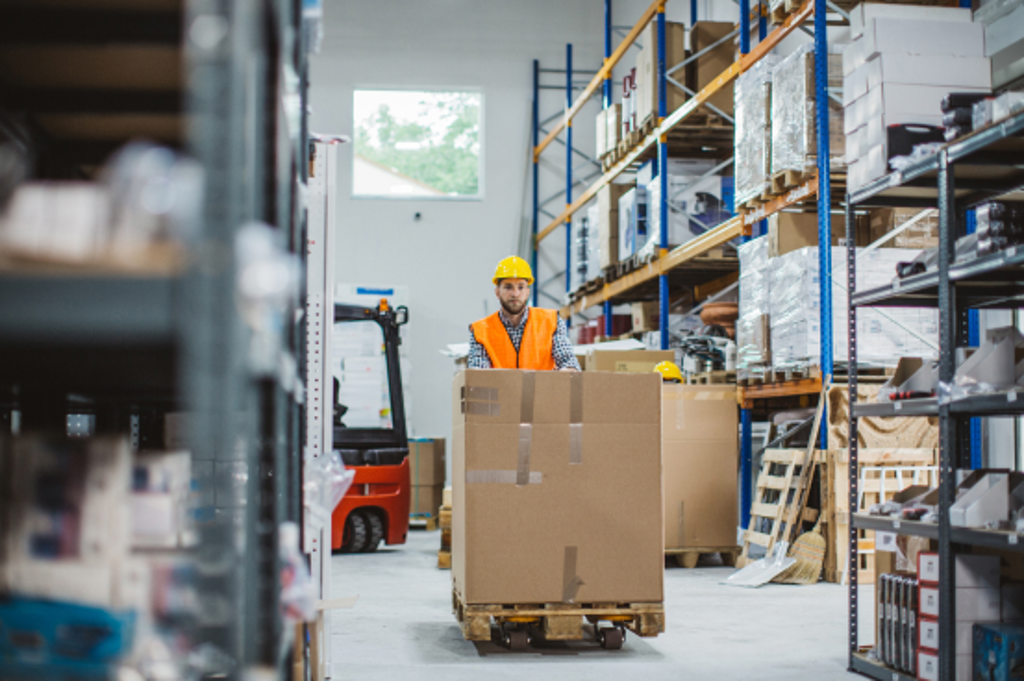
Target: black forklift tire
point(375, 531)
point(355, 533)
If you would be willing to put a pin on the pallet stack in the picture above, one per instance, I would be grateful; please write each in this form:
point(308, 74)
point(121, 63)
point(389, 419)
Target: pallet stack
point(444, 516)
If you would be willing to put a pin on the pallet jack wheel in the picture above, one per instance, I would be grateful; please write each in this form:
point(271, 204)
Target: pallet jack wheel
point(516, 639)
point(611, 637)
point(354, 537)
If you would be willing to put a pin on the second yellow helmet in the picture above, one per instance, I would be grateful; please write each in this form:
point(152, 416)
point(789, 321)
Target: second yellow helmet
point(513, 267)
point(669, 371)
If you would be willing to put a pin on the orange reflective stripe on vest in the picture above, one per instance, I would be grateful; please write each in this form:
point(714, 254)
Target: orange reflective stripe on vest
point(534, 348)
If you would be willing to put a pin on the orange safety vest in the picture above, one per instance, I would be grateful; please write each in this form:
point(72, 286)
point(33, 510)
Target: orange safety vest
point(534, 348)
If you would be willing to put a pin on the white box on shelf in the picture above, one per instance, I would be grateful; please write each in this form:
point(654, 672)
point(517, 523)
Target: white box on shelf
point(865, 13)
point(914, 36)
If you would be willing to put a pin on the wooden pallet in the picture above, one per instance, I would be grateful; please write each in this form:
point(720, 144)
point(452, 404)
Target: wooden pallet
point(883, 472)
point(784, 180)
point(557, 621)
point(780, 489)
point(429, 520)
point(444, 560)
point(712, 378)
point(688, 557)
point(760, 375)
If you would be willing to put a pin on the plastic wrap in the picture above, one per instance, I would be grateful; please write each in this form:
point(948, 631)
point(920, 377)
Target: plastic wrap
point(695, 205)
point(884, 334)
point(752, 95)
point(752, 327)
point(793, 114)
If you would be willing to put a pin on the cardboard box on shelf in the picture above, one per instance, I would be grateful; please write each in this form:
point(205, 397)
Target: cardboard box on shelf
point(914, 36)
point(426, 498)
point(866, 12)
point(645, 315)
point(646, 95)
point(791, 231)
point(702, 71)
point(426, 461)
point(627, 361)
point(608, 221)
point(948, 71)
point(924, 233)
point(699, 458)
point(555, 447)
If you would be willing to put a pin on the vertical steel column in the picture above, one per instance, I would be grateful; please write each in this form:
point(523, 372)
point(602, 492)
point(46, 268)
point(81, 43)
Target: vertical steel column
point(947, 424)
point(744, 26)
point(824, 193)
point(607, 308)
point(663, 295)
point(974, 340)
point(851, 335)
point(693, 12)
point(607, 91)
point(536, 205)
point(568, 171)
point(746, 461)
point(762, 21)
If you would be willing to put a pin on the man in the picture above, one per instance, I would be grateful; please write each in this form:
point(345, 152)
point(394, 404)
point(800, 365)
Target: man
point(518, 336)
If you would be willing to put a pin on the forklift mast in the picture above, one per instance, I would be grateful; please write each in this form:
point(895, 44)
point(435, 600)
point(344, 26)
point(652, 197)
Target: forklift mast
point(389, 319)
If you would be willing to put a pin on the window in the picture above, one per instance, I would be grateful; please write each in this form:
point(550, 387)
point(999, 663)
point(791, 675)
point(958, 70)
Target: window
point(417, 144)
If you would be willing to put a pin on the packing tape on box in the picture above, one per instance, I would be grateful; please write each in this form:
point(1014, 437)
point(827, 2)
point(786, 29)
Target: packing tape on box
point(523, 461)
point(480, 401)
point(576, 418)
point(502, 477)
point(571, 581)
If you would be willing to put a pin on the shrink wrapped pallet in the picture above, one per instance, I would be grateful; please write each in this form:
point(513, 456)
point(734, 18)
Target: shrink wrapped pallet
point(752, 324)
point(884, 334)
point(793, 113)
point(753, 129)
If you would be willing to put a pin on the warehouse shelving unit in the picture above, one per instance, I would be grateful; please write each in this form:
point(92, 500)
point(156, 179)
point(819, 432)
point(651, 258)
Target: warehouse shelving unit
point(965, 172)
point(223, 84)
point(687, 264)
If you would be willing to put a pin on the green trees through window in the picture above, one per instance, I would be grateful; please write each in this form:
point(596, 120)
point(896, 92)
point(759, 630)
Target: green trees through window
point(417, 143)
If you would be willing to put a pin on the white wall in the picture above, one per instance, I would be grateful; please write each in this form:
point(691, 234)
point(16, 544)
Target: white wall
point(447, 257)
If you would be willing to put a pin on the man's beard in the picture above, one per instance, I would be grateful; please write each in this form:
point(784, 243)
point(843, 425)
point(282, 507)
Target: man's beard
point(513, 307)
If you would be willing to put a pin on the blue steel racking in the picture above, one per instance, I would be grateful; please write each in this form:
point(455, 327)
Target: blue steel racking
point(819, 186)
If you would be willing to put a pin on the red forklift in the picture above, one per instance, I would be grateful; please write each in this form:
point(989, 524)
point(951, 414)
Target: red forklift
point(376, 506)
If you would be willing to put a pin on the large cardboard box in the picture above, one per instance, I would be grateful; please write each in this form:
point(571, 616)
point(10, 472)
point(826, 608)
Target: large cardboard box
point(426, 461)
point(647, 70)
point(705, 69)
point(543, 466)
point(645, 315)
point(608, 221)
point(791, 231)
point(426, 498)
point(629, 361)
point(700, 459)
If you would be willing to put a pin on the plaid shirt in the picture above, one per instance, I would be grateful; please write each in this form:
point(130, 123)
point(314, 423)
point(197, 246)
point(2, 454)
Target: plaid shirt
point(561, 348)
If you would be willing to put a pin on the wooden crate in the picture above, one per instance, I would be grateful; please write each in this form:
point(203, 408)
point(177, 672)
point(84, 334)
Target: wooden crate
point(876, 431)
point(883, 472)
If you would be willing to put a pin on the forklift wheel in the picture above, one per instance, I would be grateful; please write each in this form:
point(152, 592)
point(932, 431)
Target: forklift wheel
point(375, 531)
point(355, 533)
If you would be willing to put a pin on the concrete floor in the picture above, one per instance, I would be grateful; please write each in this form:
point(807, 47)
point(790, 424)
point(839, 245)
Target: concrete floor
point(402, 627)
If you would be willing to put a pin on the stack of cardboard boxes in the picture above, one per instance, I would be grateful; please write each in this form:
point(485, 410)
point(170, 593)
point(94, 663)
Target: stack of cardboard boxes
point(551, 471)
point(427, 475)
point(900, 64)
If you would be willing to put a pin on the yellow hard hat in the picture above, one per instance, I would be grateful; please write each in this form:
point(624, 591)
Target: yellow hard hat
point(513, 267)
point(669, 371)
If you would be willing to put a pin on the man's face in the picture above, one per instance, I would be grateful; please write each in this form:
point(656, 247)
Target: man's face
point(513, 294)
